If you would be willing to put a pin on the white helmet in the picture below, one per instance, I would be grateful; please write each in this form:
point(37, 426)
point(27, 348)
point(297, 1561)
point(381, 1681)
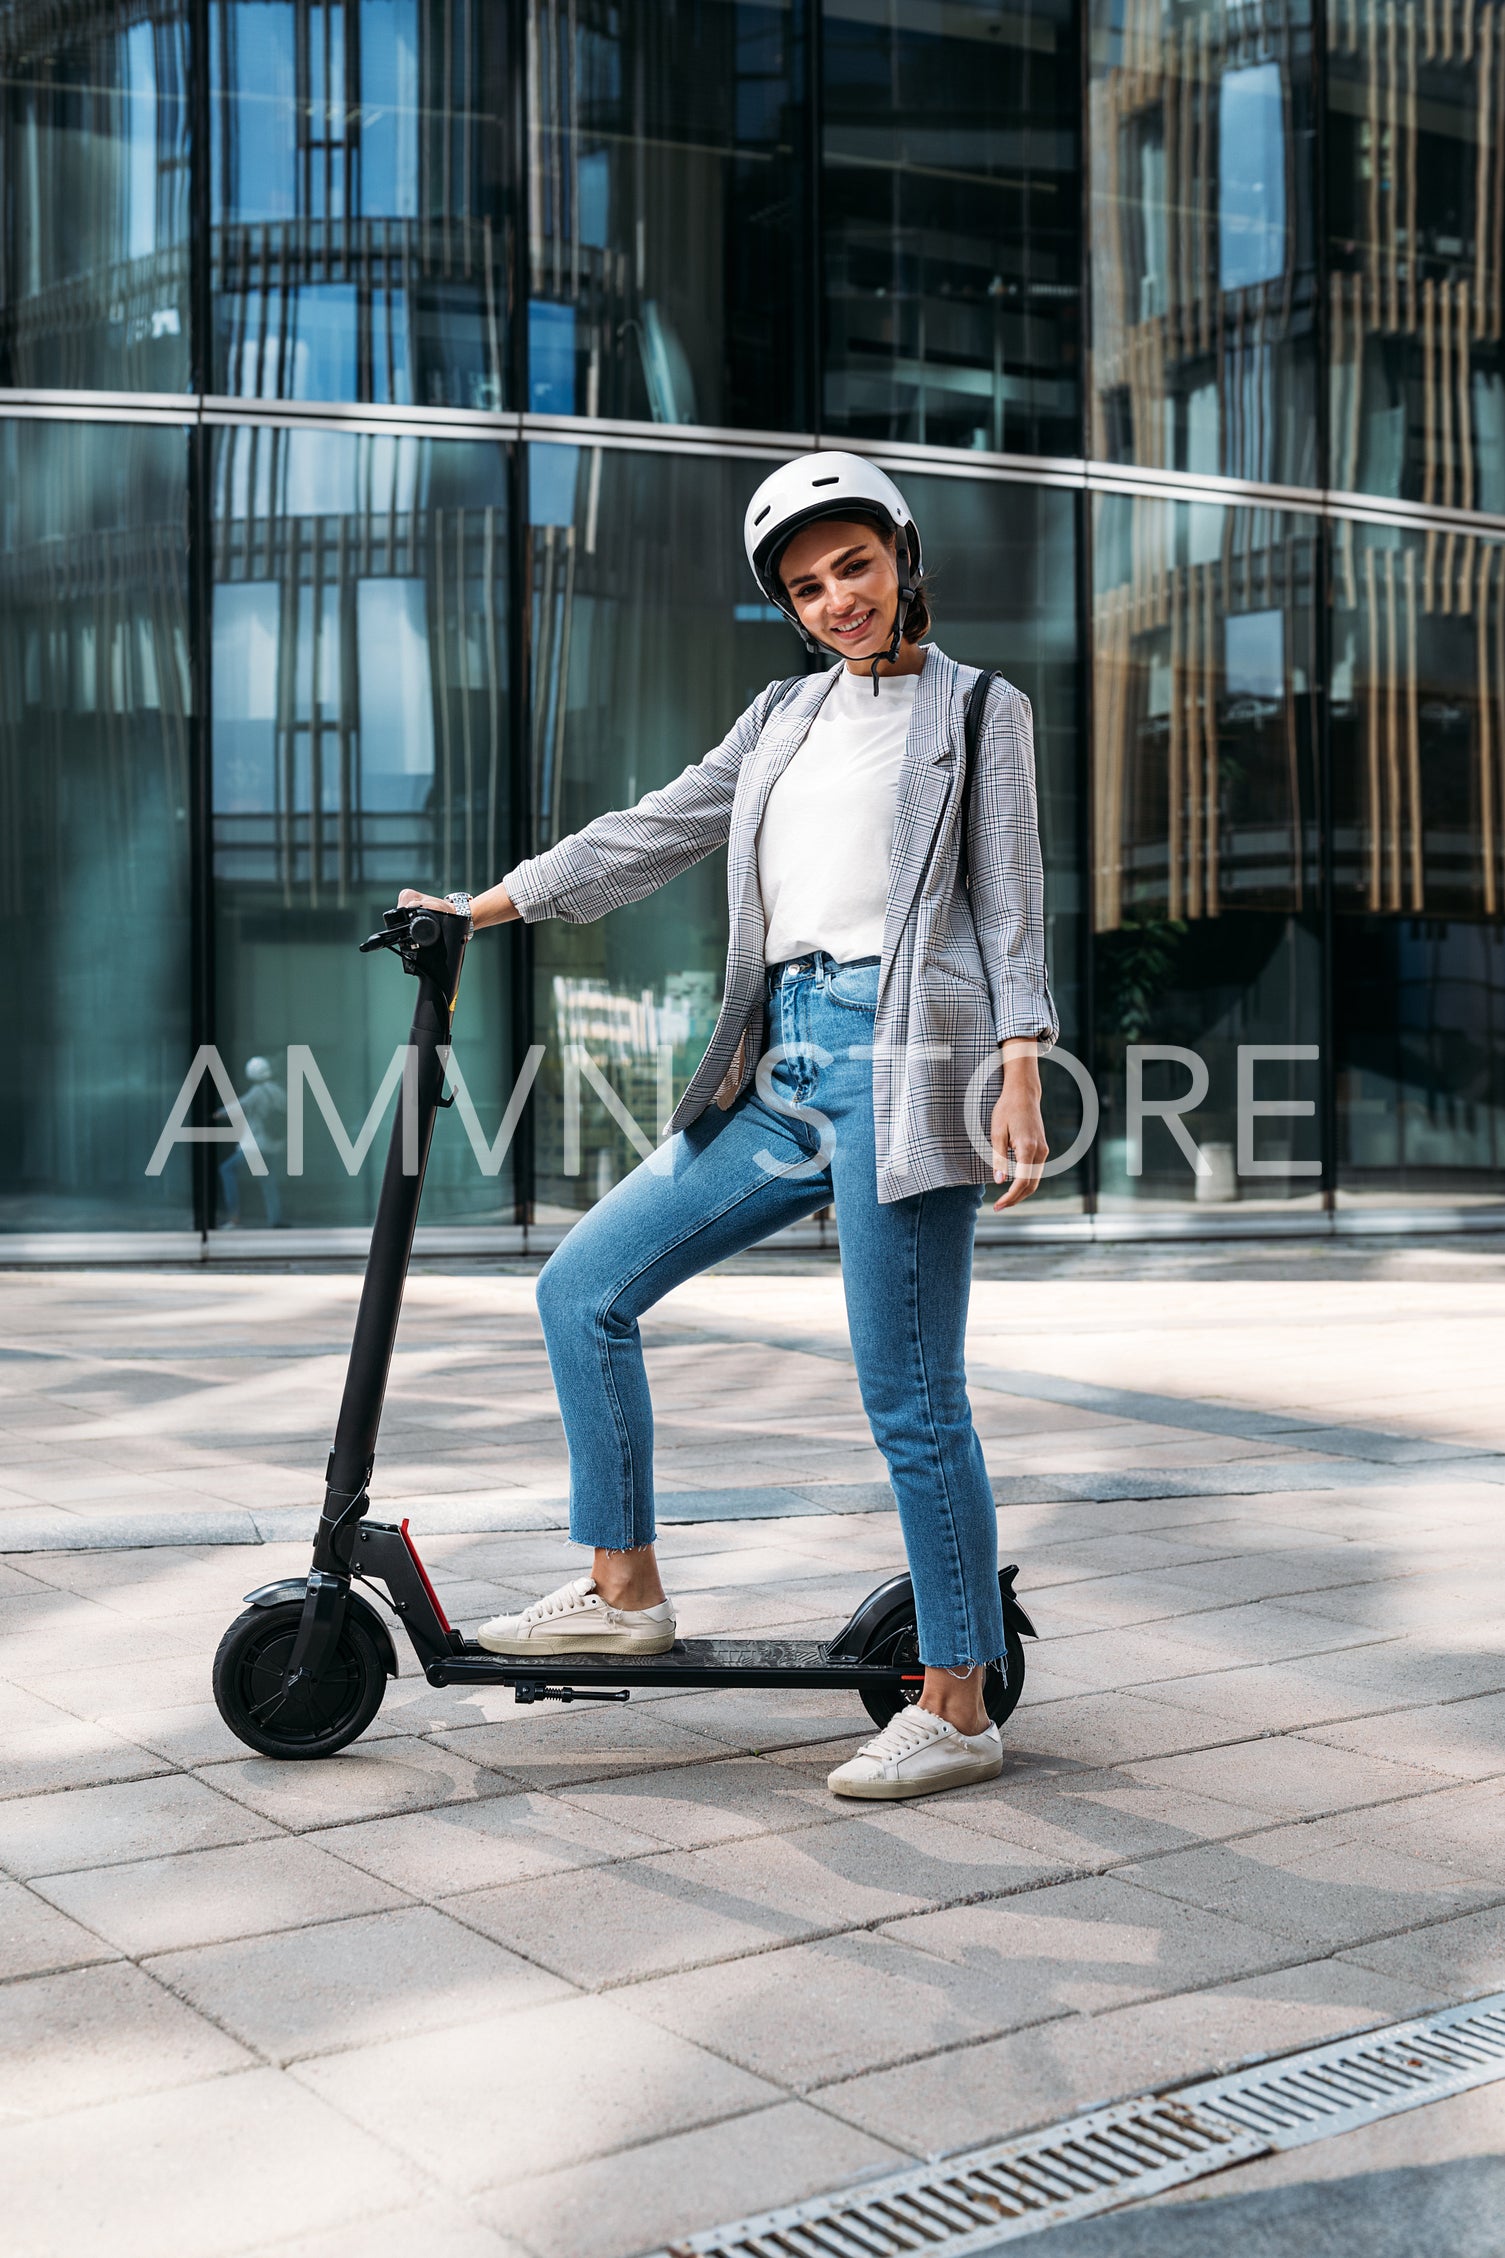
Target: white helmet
point(258, 1069)
point(832, 484)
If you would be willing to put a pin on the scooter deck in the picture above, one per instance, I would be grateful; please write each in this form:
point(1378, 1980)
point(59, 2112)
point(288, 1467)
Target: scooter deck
point(689, 1662)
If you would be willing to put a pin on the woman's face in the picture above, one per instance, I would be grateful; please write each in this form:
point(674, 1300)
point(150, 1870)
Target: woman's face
point(843, 581)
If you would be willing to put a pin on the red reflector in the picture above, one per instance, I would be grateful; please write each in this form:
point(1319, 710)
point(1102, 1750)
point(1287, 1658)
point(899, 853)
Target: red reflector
point(423, 1578)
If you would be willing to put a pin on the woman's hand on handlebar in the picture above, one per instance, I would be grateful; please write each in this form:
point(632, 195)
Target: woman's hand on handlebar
point(494, 907)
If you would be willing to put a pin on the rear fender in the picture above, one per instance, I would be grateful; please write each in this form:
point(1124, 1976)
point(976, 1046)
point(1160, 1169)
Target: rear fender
point(296, 1587)
point(850, 1644)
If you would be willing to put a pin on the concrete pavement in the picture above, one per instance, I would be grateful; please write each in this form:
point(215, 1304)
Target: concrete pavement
point(568, 1984)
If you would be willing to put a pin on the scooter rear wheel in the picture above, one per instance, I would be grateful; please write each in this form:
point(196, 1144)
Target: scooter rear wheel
point(896, 1642)
point(314, 1720)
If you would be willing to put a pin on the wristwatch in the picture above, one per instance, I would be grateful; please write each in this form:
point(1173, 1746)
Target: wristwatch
point(460, 904)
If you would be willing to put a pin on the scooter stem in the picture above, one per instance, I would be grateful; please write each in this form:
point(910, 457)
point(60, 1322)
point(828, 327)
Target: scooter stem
point(436, 963)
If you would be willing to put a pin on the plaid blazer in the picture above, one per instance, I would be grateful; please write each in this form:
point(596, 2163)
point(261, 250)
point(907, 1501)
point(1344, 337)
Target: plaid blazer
point(963, 968)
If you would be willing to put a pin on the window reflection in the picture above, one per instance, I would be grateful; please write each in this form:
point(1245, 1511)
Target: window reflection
point(94, 824)
point(359, 726)
point(1005, 561)
point(1419, 859)
point(950, 194)
point(667, 269)
point(94, 187)
point(1204, 286)
point(358, 179)
point(1205, 897)
point(645, 650)
point(1416, 177)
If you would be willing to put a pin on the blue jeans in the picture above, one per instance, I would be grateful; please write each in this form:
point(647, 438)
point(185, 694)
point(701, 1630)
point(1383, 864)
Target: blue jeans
point(719, 1186)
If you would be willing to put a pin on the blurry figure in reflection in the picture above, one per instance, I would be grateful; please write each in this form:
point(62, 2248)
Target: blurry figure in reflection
point(264, 1104)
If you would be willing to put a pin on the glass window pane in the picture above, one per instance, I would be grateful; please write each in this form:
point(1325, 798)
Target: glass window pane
point(1004, 559)
point(360, 745)
point(1204, 286)
point(668, 274)
point(359, 181)
point(94, 773)
point(1415, 181)
point(94, 191)
point(646, 646)
point(951, 200)
point(1205, 899)
point(1418, 734)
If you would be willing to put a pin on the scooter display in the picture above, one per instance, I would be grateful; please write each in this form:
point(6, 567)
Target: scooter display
point(302, 1672)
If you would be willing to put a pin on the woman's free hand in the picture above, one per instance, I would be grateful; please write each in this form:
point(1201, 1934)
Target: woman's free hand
point(1017, 1130)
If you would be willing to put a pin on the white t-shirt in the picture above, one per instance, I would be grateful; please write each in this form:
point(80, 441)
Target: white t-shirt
point(828, 824)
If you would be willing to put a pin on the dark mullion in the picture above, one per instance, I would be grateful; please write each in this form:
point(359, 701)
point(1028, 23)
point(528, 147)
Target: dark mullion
point(199, 567)
point(1086, 828)
point(815, 93)
point(1322, 567)
point(519, 944)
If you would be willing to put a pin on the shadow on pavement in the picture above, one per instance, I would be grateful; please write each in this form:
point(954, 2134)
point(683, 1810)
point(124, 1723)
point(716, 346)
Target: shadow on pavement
point(1457, 2208)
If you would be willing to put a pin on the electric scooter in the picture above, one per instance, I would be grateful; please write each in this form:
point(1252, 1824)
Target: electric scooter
point(302, 1672)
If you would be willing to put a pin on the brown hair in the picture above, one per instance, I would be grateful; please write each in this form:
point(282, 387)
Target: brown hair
point(917, 621)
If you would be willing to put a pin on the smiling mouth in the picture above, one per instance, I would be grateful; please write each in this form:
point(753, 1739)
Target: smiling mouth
point(859, 626)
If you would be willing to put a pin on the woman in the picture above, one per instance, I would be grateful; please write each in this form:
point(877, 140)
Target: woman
point(876, 1049)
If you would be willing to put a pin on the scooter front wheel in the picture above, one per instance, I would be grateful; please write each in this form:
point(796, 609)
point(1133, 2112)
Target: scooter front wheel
point(312, 1720)
point(896, 1644)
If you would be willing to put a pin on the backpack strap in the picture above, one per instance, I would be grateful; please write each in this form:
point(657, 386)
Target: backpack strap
point(790, 682)
point(977, 703)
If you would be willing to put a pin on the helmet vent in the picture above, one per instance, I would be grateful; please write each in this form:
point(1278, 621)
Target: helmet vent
point(836, 481)
point(758, 520)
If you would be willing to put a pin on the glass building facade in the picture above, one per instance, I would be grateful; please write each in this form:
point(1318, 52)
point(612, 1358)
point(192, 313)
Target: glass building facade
point(381, 386)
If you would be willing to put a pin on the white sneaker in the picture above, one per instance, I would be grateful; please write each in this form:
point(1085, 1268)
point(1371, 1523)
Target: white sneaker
point(577, 1620)
point(917, 1754)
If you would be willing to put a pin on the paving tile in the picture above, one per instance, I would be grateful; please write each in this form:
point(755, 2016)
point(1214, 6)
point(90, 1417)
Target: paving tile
point(1102, 1728)
point(268, 2161)
point(652, 1915)
point(368, 1780)
point(1085, 1818)
point(469, 1846)
point(68, 1752)
point(1462, 1827)
point(101, 2034)
point(577, 2079)
point(1449, 1961)
point(833, 2008)
point(355, 1982)
point(450, 2228)
point(166, 1682)
point(1033, 2077)
point(1290, 1774)
point(589, 1741)
point(36, 1939)
point(105, 1826)
point(1320, 1883)
point(1275, 1697)
point(766, 1719)
point(207, 1896)
point(1465, 1739)
point(670, 2188)
point(715, 1801)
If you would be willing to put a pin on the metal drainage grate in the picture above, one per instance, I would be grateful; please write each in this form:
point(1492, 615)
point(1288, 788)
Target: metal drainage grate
point(974, 2202)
